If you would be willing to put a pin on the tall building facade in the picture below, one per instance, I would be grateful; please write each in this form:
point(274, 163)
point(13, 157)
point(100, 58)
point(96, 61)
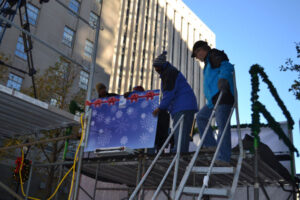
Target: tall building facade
point(133, 33)
point(147, 28)
point(57, 24)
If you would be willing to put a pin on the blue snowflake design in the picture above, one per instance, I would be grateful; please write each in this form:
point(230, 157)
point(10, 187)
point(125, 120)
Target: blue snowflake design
point(131, 125)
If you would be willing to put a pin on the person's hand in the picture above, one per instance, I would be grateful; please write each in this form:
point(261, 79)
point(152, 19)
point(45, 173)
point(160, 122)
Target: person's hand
point(223, 85)
point(155, 112)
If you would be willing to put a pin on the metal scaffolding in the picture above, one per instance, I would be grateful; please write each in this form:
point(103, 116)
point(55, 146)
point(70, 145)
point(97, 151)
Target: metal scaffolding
point(17, 120)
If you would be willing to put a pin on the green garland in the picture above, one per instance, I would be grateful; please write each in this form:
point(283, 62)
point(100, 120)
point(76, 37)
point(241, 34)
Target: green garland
point(258, 108)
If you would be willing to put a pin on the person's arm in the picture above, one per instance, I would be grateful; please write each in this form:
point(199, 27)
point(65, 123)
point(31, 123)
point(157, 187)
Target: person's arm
point(226, 70)
point(168, 96)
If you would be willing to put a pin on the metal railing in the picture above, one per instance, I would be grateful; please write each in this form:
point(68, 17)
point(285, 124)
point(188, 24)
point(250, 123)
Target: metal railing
point(194, 158)
point(174, 161)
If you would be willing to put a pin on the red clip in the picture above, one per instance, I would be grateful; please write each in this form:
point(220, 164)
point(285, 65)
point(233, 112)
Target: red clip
point(133, 98)
point(112, 100)
point(88, 103)
point(149, 95)
point(98, 102)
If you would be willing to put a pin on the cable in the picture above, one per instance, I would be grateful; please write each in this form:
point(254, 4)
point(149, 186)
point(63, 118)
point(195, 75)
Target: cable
point(75, 158)
point(20, 174)
point(72, 168)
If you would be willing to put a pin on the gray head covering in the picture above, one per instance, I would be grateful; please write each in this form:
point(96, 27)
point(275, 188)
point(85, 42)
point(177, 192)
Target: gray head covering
point(160, 60)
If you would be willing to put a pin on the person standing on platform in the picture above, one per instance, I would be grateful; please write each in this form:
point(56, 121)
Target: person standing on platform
point(218, 76)
point(177, 97)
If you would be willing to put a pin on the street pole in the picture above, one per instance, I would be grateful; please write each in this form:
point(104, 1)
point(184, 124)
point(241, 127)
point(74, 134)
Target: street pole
point(87, 109)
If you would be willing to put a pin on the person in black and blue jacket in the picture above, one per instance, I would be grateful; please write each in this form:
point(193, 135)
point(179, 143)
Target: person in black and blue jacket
point(218, 76)
point(177, 97)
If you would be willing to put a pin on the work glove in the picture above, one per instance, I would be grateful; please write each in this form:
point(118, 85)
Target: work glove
point(223, 85)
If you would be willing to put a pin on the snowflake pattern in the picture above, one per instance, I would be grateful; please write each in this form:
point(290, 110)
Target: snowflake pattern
point(92, 123)
point(132, 126)
point(144, 138)
point(94, 113)
point(129, 111)
point(147, 124)
point(121, 125)
point(119, 114)
point(124, 140)
point(143, 116)
point(100, 117)
point(107, 120)
point(151, 129)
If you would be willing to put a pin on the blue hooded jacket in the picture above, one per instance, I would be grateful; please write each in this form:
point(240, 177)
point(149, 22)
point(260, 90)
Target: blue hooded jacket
point(212, 76)
point(177, 93)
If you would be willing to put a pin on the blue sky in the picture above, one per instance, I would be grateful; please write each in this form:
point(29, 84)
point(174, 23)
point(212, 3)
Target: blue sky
point(262, 32)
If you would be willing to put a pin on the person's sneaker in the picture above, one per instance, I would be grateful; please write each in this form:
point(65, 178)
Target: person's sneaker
point(222, 163)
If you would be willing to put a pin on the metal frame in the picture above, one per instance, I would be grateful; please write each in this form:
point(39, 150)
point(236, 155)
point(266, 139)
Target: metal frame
point(91, 76)
point(210, 168)
point(191, 164)
point(180, 124)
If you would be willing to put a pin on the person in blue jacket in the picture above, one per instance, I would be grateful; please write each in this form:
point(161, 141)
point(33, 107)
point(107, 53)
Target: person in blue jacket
point(177, 97)
point(218, 76)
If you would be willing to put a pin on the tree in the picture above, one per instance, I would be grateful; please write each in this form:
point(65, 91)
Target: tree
point(56, 86)
point(290, 66)
point(3, 69)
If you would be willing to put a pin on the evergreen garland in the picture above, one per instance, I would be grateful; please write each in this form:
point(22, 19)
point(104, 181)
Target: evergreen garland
point(276, 127)
point(258, 108)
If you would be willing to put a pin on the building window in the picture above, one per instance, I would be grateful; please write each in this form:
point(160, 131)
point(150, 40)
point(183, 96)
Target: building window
point(74, 5)
point(33, 13)
point(14, 81)
point(93, 19)
point(20, 49)
point(53, 102)
point(68, 36)
point(84, 79)
point(88, 49)
point(63, 68)
point(56, 100)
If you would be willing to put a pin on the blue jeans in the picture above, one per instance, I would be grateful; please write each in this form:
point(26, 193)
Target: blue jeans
point(186, 129)
point(222, 113)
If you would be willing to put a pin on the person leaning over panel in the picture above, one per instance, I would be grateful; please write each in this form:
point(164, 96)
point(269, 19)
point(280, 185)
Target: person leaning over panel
point(177, 97)
point(218, 76)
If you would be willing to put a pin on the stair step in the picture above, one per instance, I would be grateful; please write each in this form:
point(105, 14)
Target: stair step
point(215, 170)
point(207, 191)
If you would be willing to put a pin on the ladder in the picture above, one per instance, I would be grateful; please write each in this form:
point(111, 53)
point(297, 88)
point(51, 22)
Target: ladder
point(207, 171)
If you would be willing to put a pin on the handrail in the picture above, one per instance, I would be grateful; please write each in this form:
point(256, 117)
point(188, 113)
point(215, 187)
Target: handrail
point(215, 154)
point(192, 162)
point(179, 123)
point(241, 149)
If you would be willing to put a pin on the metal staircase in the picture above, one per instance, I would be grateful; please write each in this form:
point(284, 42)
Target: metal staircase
point(212, 169)
point(205, 171)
